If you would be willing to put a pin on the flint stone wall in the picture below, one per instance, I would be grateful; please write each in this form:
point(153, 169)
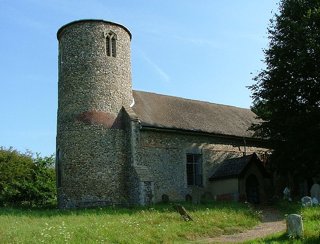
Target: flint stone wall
point(164, 154)
point(88, 78)
point(91, 138)
point(93, 168)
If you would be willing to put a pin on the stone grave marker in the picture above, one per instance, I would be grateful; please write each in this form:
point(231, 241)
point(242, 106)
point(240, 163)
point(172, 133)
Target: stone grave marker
point(315, 191)
point(306, 201)
point(295, 226)
point(315, 201)
point(183, 212)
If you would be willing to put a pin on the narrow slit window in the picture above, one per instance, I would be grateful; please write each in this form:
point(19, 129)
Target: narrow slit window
point(113, 40)
point(108, 49)
point(111, 44)
point(58, 168)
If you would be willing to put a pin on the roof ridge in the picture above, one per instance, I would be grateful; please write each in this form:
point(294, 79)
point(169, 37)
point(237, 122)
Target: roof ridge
point(165, 111)
point(190, 99)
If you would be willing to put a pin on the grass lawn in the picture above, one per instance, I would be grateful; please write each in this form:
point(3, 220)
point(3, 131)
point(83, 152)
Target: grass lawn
point(311, 224)
point(159, 223)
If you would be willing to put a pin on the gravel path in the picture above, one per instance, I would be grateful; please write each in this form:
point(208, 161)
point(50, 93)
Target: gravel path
point(272, 222)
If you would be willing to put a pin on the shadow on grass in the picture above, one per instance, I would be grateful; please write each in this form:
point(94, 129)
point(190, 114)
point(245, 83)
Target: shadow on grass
point(117, 210)
point(312, 234)
point(283, 238)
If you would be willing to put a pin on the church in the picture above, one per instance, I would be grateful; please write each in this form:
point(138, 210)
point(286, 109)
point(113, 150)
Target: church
point(118, 146)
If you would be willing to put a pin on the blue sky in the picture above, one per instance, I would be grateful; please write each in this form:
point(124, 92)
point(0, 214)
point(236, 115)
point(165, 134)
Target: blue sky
point(199, 49)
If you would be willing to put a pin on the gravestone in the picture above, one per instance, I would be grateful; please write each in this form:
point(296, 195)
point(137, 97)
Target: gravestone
point(287, 194)
point(315, 201)
point(294, 226)
point(315, 191)
point(188, 198)
point(165, 198)
point(196, 192)
point(183, 212)
point(306, 201)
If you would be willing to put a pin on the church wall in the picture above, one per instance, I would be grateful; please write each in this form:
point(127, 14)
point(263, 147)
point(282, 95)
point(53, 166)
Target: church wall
point(93, 168)
point(165, 155)
point(225, 186)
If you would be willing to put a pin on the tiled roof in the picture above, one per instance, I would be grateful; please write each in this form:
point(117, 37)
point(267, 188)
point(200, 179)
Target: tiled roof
point(236, 167)
point(170, 112)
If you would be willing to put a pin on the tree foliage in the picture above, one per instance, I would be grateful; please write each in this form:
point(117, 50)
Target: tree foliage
point(286, 95)
point(25, 180)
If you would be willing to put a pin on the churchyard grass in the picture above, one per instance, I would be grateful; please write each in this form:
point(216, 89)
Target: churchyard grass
point(159, 223)
point(311, 224)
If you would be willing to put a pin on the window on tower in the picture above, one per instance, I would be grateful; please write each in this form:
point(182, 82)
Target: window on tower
point(111, 44)
point(58, 167)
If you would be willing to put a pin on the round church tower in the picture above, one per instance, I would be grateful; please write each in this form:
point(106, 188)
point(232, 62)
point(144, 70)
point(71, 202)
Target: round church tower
point(94, 85)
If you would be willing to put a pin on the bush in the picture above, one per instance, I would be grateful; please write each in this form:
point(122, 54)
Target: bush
point(25, 180)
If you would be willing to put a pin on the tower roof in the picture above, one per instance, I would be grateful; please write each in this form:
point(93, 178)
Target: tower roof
point(60, 31)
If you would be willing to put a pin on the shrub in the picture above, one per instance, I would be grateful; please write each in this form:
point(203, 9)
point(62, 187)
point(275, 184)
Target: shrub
point(25, 180)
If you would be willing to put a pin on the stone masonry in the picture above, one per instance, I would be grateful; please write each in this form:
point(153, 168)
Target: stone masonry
point(93, 88)
point(105, 154)
point(165, 155)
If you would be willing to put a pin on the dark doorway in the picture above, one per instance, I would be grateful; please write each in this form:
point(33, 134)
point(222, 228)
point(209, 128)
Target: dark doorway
point(252, 189)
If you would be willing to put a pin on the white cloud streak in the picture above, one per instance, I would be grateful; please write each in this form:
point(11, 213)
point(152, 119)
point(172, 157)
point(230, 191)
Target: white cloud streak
point(157, 68)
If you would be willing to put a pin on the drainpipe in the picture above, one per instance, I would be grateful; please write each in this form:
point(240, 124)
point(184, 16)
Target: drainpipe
point(245, 147)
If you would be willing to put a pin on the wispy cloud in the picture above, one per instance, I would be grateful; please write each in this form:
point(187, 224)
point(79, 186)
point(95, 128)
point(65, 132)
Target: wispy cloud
point(157, 68)
point(192, 40)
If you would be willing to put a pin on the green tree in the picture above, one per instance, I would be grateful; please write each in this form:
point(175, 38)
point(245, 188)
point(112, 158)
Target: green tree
point(43, 187)
point(286, 95)
point(15, 175)
point(25, 180)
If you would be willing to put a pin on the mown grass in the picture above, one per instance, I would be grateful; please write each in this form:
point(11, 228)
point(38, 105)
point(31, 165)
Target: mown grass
point(311, 224)
point(157, 224)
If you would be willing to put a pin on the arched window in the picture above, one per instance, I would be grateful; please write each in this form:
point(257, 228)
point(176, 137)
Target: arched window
point(58, 167)
point(194, 169)
point(111, 44)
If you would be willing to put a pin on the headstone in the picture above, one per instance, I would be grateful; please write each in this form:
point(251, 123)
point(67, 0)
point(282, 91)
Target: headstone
point(315, 201)
point(315, 191)
point(306, 201)
point(294, 226)
point(286, 194)
point(165, 198)
point(196, 192)
point(183, 212)
point(188, 198)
